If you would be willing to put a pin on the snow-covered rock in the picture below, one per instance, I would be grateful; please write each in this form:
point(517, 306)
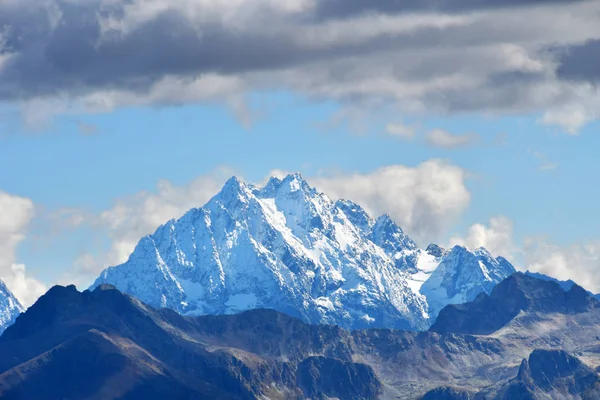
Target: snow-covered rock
point(462, 275)
point(10, 308)
point(288, 247)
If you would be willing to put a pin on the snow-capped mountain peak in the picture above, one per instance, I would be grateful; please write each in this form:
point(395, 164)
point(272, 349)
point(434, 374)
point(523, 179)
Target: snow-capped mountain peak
point(289, 247)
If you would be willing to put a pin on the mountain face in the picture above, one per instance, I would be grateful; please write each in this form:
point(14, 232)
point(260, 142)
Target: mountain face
point(551, 374)
point(557, 328)
point(518, 293)
point(103, 344)
point(287, 247)
point(10, 307)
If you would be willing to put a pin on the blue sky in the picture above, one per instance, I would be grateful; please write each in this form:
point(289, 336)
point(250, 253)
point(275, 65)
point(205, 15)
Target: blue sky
point(95, 139)
point(134, 148)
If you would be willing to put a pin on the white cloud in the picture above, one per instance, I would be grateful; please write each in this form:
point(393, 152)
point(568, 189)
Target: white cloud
point(497, 237)
point(424, 200)
point(400, 130)
point(25, 287)
point(66, 218)
point(15, 215)
point(579, 262)
point(571, 117)
point(446, 140)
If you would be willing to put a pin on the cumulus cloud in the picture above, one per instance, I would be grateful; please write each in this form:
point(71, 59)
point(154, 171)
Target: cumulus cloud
point(579, 262)
point(400, 130)
point(496, 237)
point(25, 287)
point(424, 200)
point(417, 57)
point(135, 216)
point(15, 215)
point(572, 117)
point(446, 140)
point(132, 217)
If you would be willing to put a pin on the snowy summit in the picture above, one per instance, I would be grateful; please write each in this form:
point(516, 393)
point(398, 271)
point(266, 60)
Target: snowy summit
point(288, 247)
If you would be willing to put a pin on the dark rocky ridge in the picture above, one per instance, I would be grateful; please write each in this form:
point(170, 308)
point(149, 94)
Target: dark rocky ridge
point(82, 344)
point(551, 373)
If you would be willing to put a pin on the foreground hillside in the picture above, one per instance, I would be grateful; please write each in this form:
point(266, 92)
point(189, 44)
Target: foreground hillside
point(536, 340)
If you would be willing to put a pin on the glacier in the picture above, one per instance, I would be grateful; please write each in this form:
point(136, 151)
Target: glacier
point(288, 247)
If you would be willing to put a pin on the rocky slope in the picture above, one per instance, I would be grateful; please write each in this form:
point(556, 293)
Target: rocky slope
point(105, 345)
point(288, 247)
point(550, 374)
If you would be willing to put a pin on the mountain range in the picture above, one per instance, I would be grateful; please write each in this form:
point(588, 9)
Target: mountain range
point(104, 344)
point(285, 246)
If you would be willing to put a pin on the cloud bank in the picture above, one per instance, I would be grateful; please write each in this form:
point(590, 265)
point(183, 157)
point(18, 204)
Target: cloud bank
point(72, 56)
point(15, 214)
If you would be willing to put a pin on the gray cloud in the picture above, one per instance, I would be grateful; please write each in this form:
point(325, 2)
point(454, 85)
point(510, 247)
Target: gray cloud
point(346, 8)
point(581, 62)
point(446, 140)
point(416, 57)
